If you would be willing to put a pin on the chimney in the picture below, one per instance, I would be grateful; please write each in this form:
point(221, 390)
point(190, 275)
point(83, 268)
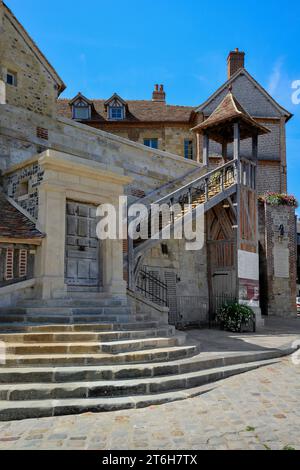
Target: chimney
point(235, 61)
point(159, 93)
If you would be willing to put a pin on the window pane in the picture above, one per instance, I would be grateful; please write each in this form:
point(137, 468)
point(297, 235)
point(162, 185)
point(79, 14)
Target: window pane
point(81, 112)
point(188, 149)
point(116, 112)
point(153, 143)
point(11, 78)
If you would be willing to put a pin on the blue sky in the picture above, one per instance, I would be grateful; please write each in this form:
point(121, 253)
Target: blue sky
point(126, 46)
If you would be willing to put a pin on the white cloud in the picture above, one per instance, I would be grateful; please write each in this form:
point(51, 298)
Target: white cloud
point(275, 77)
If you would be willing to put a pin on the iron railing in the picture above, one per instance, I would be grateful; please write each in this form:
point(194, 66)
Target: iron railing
point(152, 287)
point(192, 310)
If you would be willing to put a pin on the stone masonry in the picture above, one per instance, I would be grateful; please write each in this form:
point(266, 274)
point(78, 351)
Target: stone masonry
point(278, 258)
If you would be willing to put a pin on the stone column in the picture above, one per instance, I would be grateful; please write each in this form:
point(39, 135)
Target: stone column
point(50, 260)
point(112, 257)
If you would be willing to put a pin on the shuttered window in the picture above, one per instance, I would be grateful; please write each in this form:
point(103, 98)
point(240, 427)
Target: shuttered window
point(23, 263)
point(9, 264)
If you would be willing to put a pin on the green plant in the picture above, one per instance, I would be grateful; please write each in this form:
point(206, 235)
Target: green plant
point(279, 199)
point(250, 429)
point(233, 315)
point(288, 448)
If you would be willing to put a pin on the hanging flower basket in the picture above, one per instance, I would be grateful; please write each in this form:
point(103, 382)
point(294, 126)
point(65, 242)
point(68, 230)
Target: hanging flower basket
point(278, 199)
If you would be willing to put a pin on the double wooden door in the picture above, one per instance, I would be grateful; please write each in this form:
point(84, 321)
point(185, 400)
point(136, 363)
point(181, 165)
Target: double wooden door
point(82, 264)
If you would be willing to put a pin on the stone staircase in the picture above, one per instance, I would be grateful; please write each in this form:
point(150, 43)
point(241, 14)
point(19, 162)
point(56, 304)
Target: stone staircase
point(73, 356)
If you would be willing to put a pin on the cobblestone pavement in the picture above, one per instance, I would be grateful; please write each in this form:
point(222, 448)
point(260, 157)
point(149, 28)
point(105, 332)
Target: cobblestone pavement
point(256, 410)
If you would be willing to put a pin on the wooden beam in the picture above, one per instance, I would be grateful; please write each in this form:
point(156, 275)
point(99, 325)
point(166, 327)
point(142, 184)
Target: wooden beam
point(236, 141)
point(20, 241)
point(224, 151)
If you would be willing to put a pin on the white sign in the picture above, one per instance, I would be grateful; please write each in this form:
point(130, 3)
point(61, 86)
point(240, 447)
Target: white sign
point(281, 261)
point(248, 265)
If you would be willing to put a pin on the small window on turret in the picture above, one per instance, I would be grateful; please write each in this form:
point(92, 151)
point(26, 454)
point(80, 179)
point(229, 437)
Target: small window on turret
point(11, 78)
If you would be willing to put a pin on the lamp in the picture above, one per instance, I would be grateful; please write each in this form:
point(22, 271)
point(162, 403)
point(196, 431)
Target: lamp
point(281, 232)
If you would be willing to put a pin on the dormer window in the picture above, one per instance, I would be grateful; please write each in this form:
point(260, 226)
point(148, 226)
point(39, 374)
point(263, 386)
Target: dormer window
point(116, 108)
point(81, 108)
point(116, 112)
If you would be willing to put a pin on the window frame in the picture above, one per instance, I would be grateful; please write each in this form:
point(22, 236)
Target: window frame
point(84, 107)
point(116, 108)
point(188, 148)
point(14, 76)
point(151, 141)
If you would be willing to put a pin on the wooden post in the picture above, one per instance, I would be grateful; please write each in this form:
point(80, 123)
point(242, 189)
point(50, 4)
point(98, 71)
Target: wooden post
point(199, 146)
point(205, 149)
point(206, 189)
point(255, 157)
point(236, 140)
point(224, 151)
point(255, 147)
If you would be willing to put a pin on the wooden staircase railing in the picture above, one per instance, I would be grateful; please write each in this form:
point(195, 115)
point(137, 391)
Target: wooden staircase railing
point(209, 189)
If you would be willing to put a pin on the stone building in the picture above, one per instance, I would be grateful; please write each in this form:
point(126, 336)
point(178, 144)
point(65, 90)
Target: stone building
point(69, 300)
point(135, 148)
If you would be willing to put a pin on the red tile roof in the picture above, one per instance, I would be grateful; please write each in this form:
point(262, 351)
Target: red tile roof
point(14, 224)
point(137, 111)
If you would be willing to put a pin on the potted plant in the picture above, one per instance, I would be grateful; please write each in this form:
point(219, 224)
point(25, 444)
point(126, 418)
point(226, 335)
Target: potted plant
point(233, 316)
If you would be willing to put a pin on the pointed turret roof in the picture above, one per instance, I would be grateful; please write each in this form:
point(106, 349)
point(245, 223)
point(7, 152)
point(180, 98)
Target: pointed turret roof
point(218, 124)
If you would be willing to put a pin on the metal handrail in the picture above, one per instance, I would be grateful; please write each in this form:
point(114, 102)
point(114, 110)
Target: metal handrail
point(152, 287)
point(195, 183)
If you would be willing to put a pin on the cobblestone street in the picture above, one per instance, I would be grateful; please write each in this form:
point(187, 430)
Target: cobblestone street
point(255, 410)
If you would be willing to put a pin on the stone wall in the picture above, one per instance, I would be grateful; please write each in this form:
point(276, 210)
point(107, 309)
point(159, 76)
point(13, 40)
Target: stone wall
point(149, 168)
point(36, 88)
point(278, 259)
point(187, 273)
point(170, 137)
point(22, 186)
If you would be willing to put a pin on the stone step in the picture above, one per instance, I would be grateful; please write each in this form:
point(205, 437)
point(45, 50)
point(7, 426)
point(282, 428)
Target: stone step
point(113, 347)
point(69, 319)
point(74, 336)
point(80, 301)
point(132, 357)
point(98, 326)
point(19, 375)
point(90, 397)
point(88, 310)
point(71, 310)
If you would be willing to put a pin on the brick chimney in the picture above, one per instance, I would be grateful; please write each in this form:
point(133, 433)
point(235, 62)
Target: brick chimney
point(235, 61)
point(159, 93)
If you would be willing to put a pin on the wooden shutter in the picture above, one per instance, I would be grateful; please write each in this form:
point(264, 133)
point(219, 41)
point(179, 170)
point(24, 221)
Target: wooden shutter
point(9, 264)
point(23, 263)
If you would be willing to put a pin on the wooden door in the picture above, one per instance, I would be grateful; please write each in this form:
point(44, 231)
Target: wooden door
point(82, 247)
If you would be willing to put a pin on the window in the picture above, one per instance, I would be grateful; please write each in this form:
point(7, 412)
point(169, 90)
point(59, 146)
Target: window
point(9, 265)
point(188, 149)
point(22, 263)
point(152, 143)
point(116, 112)
point(11, 78)
point(81, 111)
